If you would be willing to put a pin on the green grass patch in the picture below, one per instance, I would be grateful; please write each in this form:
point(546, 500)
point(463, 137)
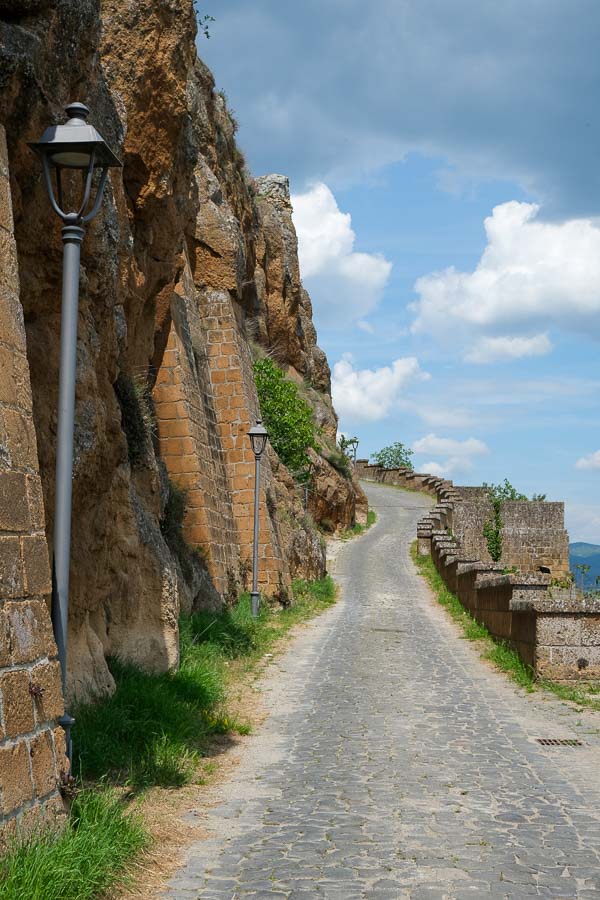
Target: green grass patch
point(497, 652)
point(359, 529)
point(85, 860)
point(587, 695)
point(154, 729)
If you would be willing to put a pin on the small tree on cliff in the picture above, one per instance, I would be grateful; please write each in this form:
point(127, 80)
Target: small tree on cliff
point(346, 444)
point(393, 457)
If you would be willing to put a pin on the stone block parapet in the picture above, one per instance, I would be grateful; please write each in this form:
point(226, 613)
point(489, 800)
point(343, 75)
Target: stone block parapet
point(556, 632)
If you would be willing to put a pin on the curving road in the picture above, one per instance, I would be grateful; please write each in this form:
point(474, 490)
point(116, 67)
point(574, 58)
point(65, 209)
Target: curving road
point(396, 764)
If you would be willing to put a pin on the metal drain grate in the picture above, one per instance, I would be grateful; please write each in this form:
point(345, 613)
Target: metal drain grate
point(559, 742)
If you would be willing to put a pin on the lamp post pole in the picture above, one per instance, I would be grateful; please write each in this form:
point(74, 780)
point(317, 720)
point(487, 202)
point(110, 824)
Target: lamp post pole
point(72, 236)
point(255, 596)
point(258, 440)
point(309, 471)
point(73, 146)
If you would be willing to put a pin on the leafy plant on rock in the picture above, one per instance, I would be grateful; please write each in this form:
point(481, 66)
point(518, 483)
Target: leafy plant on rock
point(287, 417)
point(393, 457)
point(204, 20)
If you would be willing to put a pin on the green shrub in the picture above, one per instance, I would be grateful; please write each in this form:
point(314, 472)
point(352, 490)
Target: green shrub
point(287, 417)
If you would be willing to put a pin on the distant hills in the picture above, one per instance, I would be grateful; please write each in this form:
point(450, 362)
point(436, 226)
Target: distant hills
point(581, 553)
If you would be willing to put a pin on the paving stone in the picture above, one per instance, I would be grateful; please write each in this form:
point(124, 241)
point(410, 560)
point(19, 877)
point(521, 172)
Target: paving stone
point(396, 764)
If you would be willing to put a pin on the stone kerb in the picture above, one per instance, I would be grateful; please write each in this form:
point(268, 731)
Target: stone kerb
point(32, 749)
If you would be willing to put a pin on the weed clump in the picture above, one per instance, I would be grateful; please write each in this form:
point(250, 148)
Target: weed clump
point(137, 417)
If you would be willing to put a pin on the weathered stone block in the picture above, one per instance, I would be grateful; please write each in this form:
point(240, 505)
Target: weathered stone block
point(19, 435)
point(60, 750)
point(9, 272)
point(17, 703)
point(11, 568)
point(35, 500)
point(41, 752)
point(50, 706)
point(5, 644)
point(16, 785)
point(36, 566)
point(590, 631)
point(559, 631)
point(14, 509)
point(29, 631)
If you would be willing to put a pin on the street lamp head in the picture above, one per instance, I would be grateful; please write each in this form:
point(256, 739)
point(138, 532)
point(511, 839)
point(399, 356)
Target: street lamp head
point(74, 144)
point(258, 438)
point(77, 146)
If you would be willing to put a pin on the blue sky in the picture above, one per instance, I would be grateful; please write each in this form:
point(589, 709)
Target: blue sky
point(444, 161)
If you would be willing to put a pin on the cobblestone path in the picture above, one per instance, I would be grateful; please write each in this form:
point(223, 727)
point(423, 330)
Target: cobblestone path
point(396, 764)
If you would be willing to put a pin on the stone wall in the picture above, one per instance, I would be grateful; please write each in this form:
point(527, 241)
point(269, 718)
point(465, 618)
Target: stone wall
point(31, 745)
point(556, 631)
point(533, 532)
point(190, 269)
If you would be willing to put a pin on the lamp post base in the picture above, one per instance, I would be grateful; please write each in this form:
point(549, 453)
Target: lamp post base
point(254, 603)
point(67, 722)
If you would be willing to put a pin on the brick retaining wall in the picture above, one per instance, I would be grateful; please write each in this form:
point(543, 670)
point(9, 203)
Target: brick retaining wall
point(32, 749)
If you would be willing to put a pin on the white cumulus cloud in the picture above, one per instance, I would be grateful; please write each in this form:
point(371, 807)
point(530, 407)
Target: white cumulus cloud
point(591, 462)
point(341, 281)
point(495, 349)
point(531, 274)
point(367, 395)
point(458, 455)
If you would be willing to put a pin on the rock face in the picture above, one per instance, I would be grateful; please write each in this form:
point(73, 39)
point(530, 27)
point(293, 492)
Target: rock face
point(189, 265)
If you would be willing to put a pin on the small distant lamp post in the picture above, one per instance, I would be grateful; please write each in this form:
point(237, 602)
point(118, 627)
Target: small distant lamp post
point(258, 439)
point(76, 146)
point(353, 444)
point(309, 471)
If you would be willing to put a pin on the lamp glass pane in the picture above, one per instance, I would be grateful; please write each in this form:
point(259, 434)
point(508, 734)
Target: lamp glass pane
point(71, 159)
point(259, 442)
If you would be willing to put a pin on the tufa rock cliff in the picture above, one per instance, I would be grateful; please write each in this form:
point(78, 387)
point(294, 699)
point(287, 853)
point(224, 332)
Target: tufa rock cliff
point(189, 267)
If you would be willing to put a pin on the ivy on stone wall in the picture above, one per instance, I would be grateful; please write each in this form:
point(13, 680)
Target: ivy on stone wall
point(492, 530)
point(287, 417)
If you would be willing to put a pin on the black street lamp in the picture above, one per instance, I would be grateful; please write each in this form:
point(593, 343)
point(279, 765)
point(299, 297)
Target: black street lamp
point(76, 146)
point(258, 439)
